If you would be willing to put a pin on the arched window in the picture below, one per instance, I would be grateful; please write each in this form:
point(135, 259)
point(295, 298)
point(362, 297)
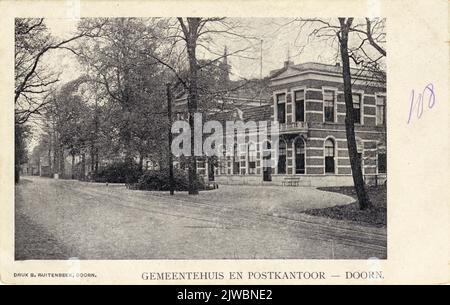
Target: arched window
point(329, 156)
point(281, 157)
point(299, 156)
point(251, 158)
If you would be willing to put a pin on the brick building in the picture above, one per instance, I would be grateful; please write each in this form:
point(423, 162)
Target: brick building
point(308, 103)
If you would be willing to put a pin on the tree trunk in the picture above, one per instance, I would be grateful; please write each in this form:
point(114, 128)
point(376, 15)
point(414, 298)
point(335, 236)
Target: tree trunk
point(96, 161)
point(83, 167)
point(55, 154)
point(358, 180)
point(191, 41)
point(16, 172)
point(62, 165)
point(51, 166)
point(92, 157)
point(141, 161)
point(73, 166)
point(169, 115)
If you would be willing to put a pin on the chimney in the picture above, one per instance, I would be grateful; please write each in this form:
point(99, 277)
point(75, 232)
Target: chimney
point(288, 63)
point(338, 64)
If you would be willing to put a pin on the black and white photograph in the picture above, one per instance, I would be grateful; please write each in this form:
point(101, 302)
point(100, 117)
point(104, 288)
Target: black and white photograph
point(200, 138)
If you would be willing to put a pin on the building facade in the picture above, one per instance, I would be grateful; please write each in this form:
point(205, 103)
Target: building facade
point(308, 103)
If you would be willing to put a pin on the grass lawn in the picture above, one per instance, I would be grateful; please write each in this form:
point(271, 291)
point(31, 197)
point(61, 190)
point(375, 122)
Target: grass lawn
point(375, 217)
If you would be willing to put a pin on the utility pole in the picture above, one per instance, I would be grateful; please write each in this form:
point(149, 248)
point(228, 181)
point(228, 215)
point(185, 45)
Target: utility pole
point(169, 116)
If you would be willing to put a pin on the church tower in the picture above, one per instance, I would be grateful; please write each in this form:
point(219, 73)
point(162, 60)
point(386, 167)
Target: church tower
point(225, 67)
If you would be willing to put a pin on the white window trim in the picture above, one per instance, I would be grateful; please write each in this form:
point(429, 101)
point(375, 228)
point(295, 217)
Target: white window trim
point(361, 94)
point(362, 153)
point(334, 158)
point(275, 104)
point(294, 155)
point(248, 157)
point(293, 90)
point(376, 109)
point(335, 90)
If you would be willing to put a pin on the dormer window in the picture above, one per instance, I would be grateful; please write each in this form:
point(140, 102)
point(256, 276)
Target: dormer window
point(281, 108)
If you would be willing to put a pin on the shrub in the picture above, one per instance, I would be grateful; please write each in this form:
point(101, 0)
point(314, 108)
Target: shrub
point(119, 172)
point(159, 181)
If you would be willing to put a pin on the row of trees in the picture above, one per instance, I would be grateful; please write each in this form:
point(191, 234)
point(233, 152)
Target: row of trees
point(118, 106)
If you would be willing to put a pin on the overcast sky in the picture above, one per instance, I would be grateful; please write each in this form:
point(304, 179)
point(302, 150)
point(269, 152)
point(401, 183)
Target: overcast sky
point(278, 38)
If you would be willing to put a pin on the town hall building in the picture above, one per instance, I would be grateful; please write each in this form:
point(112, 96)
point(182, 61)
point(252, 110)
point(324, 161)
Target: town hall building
point(308, 103)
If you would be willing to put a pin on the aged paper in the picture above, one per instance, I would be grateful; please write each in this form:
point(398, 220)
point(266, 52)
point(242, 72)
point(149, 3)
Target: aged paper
point(412, 247)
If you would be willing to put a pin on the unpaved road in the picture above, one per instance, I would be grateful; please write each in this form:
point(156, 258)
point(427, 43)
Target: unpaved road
point(58, 219)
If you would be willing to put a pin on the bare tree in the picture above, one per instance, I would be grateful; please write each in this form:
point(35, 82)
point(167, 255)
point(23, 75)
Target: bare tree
point(32, 79)
point(198, 32)
point(363, 44)
point(34, 82)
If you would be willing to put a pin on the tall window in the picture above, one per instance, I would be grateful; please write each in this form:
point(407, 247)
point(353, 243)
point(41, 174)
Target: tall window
point(281, 102)
point(299, 97)
point(328, 104)
point(381, 162)
point(359, 152)
point(357, 108)
point(235, 160)
point(282, 157)
point(329, 156)
point(381, 110)
point(251, 159)
point(299, 156)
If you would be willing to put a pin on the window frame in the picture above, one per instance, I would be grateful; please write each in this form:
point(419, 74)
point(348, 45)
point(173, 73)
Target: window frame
point(360, 151)
point(384, 109)
point(333, 140)
point(381, 149)
point(378, 163)
point(298, 139)
point(236, 160)
point(335, 92)
point(294, 105)
point(275, 102)
point(251, 144)
point(285, 157)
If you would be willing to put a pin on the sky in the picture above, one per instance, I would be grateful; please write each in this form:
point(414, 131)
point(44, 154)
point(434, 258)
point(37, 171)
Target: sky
point(280, 40)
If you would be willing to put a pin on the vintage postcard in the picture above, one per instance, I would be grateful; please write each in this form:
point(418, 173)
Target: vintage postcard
point(224, 142)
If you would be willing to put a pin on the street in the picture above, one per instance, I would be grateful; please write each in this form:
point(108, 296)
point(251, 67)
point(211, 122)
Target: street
point(61, 219)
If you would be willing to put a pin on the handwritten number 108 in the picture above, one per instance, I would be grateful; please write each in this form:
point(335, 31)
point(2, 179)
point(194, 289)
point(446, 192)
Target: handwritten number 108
point(417, 102)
